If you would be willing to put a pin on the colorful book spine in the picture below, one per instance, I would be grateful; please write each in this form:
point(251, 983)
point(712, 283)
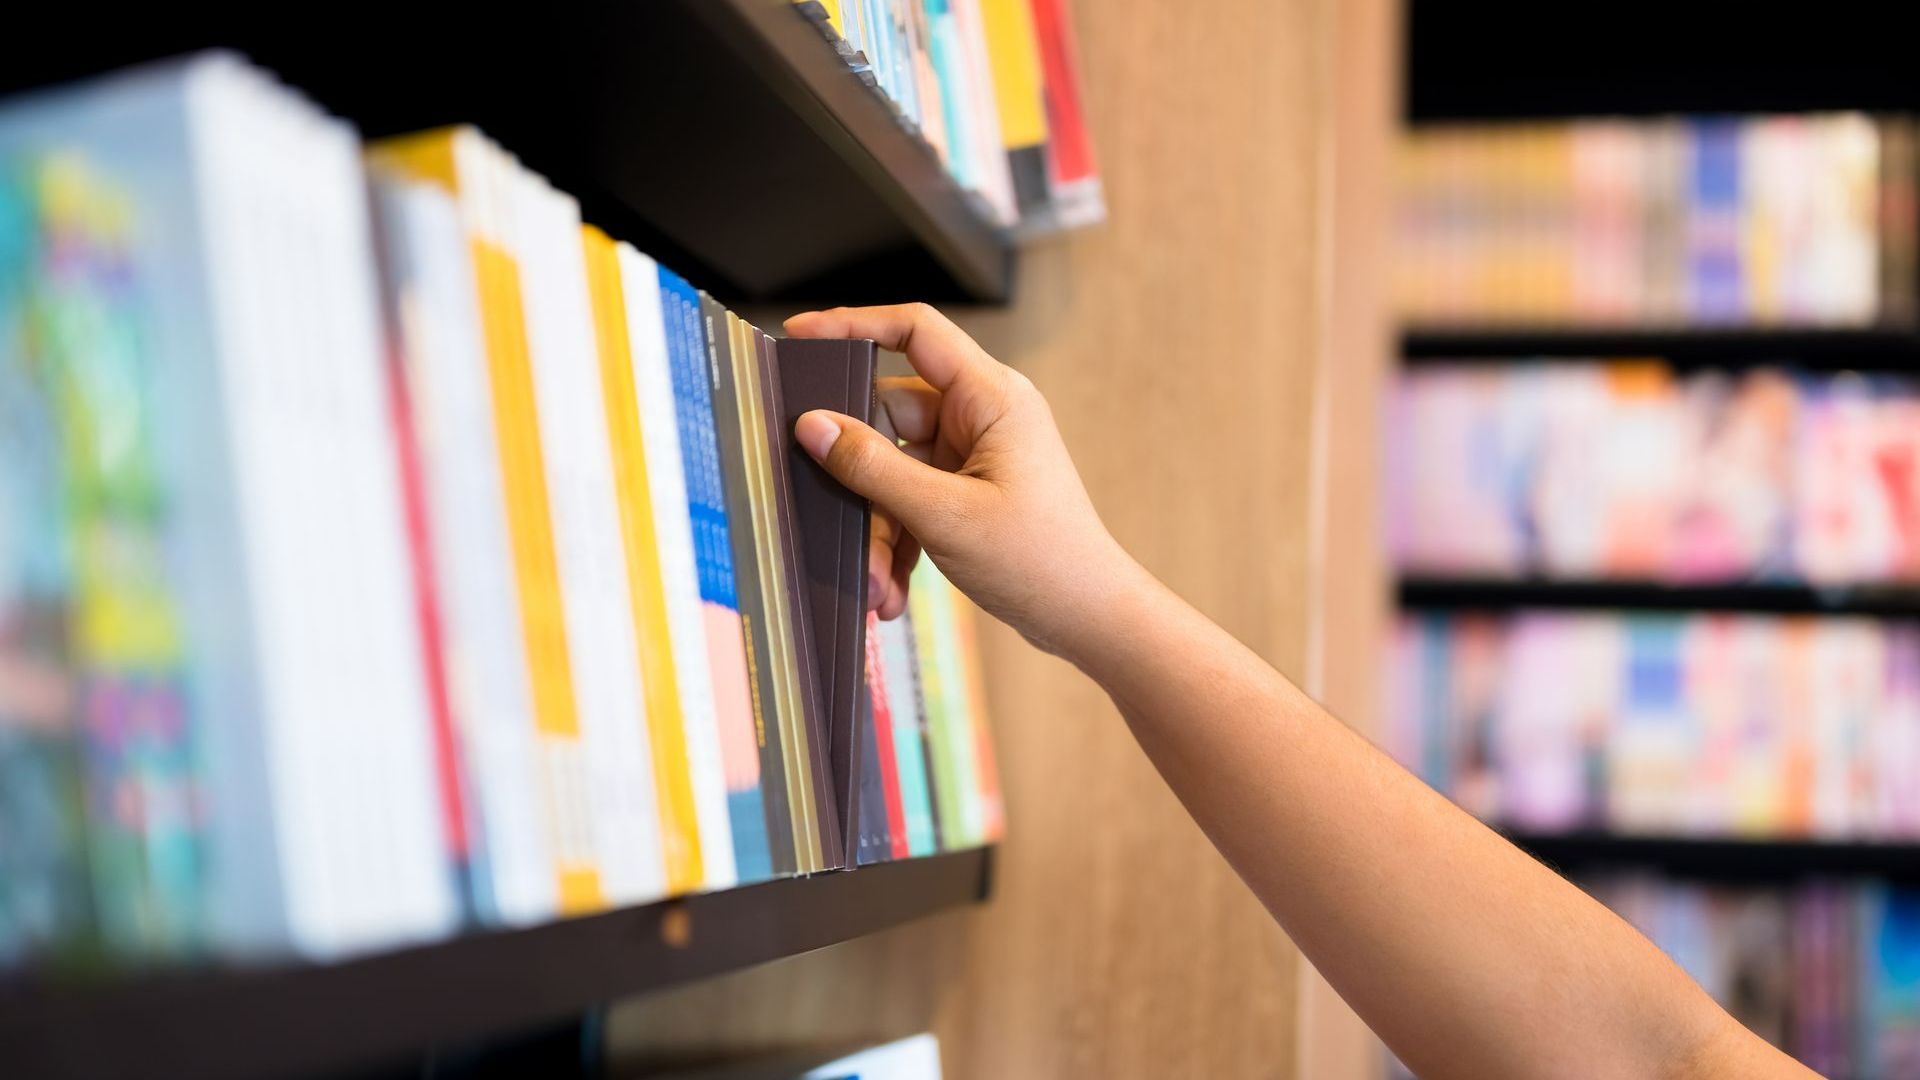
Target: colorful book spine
point(720, 607)
point(647, 316)
point(551, 867)
point(736, 433)
point(952, 748)
point(621, 341)
point(900, 672)
point(883, 815)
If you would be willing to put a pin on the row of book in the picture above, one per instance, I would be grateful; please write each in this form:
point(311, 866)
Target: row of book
point(1770, 220)
point(1689, 725)
point(383, 551)
point(993, 86)
point(1828, 971)
point(1627, 470)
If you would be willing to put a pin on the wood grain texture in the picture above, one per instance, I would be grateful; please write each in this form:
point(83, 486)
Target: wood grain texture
point(1179, 345)
point(1352, 605)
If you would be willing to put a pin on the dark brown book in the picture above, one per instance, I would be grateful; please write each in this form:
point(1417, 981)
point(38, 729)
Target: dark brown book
point(755, 620)
point(800, 601)
point(833, 527)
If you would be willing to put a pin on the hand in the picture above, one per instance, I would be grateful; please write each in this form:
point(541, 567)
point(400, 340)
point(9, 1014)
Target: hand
point(983, 483)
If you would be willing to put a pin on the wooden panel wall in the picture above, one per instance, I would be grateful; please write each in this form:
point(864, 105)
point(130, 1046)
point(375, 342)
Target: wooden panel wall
point(1181, 346)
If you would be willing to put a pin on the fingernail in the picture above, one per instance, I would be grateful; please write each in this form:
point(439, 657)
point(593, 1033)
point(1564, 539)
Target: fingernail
point(817, 431)
point(876, 590)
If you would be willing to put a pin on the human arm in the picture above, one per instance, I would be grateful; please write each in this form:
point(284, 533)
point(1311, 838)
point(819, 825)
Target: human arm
point(1468, 957)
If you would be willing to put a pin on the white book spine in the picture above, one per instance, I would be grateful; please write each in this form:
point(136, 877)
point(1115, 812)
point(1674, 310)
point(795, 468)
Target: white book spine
point(601, 634)
point(673, 528)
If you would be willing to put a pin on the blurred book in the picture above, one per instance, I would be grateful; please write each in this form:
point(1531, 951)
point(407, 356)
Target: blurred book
point(1698, 222)
point(1626, 470)
point(1664, 725)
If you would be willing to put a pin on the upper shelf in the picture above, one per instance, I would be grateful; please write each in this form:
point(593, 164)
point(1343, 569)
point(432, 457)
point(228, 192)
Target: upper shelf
point(1512, 59)
point(1875, 349)
point(322, 1019)
point(725, 137)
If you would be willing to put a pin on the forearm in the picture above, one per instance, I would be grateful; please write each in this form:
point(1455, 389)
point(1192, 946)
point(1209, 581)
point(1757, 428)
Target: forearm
point(1467, 956)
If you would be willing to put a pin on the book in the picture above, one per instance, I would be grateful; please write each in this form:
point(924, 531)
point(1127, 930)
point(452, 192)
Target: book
point(952, 749)
point(540, 843)
point(804, 719)
point(680, 579)
point(832, 525)
point(755, 585)
point(732, 695)
point(240, 539)
point(899, 669)
point(622, 343)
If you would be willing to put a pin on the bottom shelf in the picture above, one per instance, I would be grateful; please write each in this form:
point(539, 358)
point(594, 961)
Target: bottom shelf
point(1722, 859)
point(316, 1019)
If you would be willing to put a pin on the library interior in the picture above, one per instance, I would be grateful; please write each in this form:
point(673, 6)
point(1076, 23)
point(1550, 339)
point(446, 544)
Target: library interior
point(1370, 539)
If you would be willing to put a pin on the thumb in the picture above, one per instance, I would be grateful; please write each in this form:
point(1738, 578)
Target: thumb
point(868, 463)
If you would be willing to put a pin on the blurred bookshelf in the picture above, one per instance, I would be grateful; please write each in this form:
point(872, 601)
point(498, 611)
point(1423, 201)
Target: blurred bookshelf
point(322, 1019)
point(810, 189)
point(1610, 370)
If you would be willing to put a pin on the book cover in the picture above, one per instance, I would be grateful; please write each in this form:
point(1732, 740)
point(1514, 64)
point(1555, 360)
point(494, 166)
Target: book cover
point(1015, 56)
point(832, 529)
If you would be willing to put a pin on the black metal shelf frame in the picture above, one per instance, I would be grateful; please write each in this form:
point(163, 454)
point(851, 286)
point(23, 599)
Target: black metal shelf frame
point(1722, 859)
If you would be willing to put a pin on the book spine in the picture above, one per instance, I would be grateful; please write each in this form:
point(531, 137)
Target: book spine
point(730, 402)
point(956, 785)
point(618, 341)
point(720, 608)
point(882, 775)
point(649, 313)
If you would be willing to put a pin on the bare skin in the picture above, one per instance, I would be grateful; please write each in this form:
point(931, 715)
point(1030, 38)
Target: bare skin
point(1469, 958)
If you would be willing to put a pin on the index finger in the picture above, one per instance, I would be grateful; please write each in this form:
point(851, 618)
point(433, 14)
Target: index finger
point(940, 351)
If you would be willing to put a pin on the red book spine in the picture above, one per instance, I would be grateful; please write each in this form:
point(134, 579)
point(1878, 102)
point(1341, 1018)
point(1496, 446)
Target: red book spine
point(883, 738)
point(426, 604)
point(1069, 147)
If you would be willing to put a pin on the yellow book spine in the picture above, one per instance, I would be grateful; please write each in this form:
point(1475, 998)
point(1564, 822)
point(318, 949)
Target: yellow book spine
point(435, 157)
point(673, 785)
point(1014, 56)
point(766, 530)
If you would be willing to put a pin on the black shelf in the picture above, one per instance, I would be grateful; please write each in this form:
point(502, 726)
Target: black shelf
point(1868, 349)
point(322, 1019)
point(1417, 593)
point(1509, 59)
point(725, 137)
point(1750, 861)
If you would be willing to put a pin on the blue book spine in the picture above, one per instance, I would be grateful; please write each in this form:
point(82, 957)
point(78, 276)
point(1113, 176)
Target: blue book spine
point(1718, 294)
point(712, 539)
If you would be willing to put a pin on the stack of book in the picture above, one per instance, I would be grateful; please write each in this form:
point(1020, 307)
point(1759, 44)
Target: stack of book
point(384, 551)
point(994, 88)
point(1627, 470)
point(1702, 725)
point(1786, 220)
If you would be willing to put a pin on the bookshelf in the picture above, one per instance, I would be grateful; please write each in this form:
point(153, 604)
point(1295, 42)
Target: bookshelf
point(809, 189)
point(1723, 860)
point(321, 1019)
